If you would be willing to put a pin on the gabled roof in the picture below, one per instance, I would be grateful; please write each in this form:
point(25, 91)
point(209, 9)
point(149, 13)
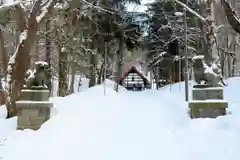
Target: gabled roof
point(133, 70)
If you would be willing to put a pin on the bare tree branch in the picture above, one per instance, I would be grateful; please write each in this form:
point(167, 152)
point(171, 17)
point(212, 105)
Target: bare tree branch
point(191, 11)
point(97, 7)
point(231, 16)
point(45, 10)
point(3, 53)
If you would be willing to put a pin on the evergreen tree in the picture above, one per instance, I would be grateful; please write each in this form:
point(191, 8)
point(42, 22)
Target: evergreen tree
point(166, 41)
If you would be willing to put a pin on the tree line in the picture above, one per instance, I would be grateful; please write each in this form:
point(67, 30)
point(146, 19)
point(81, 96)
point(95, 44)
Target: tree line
point(75, 37)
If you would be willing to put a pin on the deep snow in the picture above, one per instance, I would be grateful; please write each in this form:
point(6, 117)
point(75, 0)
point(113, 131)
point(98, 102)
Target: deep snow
point(144, 125)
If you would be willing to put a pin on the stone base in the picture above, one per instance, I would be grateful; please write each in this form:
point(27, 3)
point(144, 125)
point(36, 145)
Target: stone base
point(22, 127)
point(207, 109)
point(205, 86)
point(35, 95)
point(35, 87)
point(207, 93)
point(31, 115)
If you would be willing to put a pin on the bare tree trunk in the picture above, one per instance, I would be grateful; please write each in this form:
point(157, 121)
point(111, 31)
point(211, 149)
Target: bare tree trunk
point(114, 66)
point(79, 84)
point(234, 66)
point(4, 54)
point(48, 42)
point(229, 66)
point(100, 74)
point(36, 55)
point(222, 62)
point(18, 63)
point(62, 83)
point(73, 73)
point(93, 68)
point(71, 23)
point(101, 51)
point(5, 61)
point(231, 57)
point(93, 63)
point(233, 61)
point(222, 54)
point(158, 77)
point(93, 56)
point(120, 54)
point(48, 50)
point(105, 62)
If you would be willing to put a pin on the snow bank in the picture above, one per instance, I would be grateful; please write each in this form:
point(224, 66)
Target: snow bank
point(129, 125)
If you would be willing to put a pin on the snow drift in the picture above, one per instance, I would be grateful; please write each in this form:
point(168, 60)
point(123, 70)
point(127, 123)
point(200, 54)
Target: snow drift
point(144, 125)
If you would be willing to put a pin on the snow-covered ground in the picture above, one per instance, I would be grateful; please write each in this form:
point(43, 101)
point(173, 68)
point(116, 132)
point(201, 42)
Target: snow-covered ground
point(148, 125)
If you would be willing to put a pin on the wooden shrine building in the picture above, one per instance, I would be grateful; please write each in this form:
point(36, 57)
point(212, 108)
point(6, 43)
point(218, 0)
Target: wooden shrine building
point(134, 80)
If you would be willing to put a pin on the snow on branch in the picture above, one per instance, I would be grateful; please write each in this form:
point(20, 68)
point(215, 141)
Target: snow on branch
point(8, 6)
point(198, 57)
point(191, 11)
point(45, 10)
point(35, 10)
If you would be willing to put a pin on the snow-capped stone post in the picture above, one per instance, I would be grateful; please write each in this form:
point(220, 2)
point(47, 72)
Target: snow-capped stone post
point(207, 98)
point(34, 107)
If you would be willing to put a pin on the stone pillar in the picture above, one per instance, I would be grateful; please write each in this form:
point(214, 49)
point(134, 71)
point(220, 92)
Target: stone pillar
point(207, 102)
point(34, 108)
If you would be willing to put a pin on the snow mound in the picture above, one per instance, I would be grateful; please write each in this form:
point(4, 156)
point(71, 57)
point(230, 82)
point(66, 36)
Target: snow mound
point(129, 125)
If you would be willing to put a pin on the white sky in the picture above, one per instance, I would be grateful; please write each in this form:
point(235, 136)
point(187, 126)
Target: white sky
point(139, 8)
